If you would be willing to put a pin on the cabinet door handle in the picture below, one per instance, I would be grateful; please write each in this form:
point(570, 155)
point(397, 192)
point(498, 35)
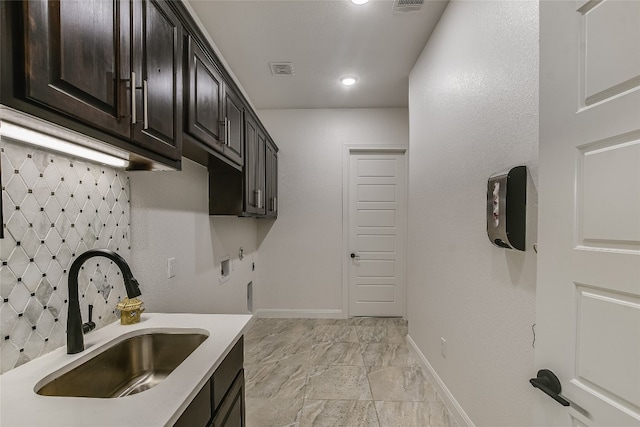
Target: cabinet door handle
point(259, 199)
point(226, 124)
point(133, 98)
point(223, 131)
point(145, 105)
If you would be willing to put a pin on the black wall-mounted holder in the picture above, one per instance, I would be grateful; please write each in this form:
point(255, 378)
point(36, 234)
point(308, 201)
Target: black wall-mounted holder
point(507, 208)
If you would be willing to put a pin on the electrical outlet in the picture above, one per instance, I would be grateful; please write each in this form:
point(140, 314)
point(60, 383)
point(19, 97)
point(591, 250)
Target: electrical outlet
point(443, 347)
point(171, 268)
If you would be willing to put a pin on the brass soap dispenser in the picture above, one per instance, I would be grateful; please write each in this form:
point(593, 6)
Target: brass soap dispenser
point(130, 311)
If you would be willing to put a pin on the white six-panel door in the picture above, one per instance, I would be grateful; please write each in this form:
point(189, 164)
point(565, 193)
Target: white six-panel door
point(588, 294)
point(376, 210)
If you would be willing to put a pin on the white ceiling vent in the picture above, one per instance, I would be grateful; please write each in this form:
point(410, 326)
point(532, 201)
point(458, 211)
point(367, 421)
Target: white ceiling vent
point(281, 68)
point(407, 5)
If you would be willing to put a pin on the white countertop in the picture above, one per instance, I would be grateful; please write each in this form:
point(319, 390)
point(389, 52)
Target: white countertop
point(158, 406)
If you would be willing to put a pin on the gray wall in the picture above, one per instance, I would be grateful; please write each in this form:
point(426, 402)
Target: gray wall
point(170, 218)
point(473, 104)
point(301, 252)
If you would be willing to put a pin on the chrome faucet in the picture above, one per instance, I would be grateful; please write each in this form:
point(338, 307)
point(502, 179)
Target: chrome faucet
point(75, 338)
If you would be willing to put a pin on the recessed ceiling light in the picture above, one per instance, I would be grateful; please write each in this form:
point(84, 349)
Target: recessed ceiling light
point(349, 80)
point(359, 1)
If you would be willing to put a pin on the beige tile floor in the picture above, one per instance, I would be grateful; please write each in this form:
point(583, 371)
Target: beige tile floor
point(337, 372)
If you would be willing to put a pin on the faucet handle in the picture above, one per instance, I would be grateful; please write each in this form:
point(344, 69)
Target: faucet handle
point(90, 325)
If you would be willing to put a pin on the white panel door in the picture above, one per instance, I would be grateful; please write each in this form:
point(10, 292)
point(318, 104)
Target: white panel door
point(588, 294)
point(377, 200)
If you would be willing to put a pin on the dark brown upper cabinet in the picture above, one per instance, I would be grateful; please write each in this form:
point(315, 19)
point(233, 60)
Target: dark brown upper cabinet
point(254, 191)
point(254, 172)
point(234, 125)
point(157, 61)
point(271, 179)
point(77, 59)
point(214, 112)
point(204, 93)
point(106, 68)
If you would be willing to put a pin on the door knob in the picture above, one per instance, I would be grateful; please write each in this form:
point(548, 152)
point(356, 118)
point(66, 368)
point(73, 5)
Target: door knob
point(550, 384)
point(354, 255)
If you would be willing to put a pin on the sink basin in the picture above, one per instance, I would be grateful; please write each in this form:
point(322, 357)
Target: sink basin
point(131, 366)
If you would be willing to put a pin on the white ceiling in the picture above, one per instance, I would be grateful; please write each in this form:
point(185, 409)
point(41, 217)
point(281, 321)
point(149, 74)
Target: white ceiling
point(324, 39)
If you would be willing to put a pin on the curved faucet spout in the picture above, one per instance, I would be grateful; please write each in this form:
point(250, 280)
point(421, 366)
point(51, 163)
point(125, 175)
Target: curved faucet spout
point(75, 339)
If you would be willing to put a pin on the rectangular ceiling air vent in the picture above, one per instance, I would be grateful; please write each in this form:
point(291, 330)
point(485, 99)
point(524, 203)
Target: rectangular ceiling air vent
point(407, 5)
point(281, 68)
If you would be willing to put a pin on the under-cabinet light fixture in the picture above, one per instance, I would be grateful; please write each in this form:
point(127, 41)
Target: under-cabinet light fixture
point(49, 142)
point(359, 2)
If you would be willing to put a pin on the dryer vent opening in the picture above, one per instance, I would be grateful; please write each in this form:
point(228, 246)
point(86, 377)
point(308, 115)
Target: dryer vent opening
point(250, 297)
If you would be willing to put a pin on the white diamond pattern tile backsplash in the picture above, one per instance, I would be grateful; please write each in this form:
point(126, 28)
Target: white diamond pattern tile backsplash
point(55, 208)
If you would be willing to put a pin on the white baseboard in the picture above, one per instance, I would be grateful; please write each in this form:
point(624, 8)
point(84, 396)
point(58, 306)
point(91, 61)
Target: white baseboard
point(450, 402)
point(299, 314)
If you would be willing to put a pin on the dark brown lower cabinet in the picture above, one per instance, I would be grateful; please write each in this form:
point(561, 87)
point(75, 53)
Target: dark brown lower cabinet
point(231, 411)
point(221, 401)
point(198, 413)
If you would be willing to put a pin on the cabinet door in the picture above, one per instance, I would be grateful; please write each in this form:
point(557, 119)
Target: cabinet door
point(227, 372)
point(271, 176)
point(77, 60)
point(233, 114)
point(231, 412)
point(251, 147)
point(158, 66)
point(199, 411)
point(261, 201)
point(254, 190)
point(204, 91)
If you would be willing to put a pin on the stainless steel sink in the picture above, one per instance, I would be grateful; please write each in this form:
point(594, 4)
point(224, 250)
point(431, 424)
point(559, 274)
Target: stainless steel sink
point(129, 367)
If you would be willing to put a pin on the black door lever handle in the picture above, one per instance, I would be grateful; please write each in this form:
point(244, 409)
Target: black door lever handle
point(550, 384)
